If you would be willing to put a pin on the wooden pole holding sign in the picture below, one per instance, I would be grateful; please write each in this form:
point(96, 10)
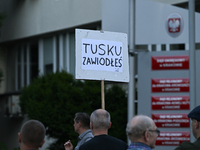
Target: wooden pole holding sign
point(102, 95)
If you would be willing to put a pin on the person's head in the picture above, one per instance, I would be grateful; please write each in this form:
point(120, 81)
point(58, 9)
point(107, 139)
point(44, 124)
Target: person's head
point(100, 120)
point(195, 117)
point(32, 134)
point(142, 129)
point(81, 120)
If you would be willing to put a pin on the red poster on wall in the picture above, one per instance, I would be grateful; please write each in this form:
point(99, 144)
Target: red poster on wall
point(170, 102)
point(169, 62)
point(170, 85)
point(172, 138)
point(171, 120)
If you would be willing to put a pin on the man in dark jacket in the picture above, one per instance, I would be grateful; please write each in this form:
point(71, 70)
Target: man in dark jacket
point(195, 117)
point(99, 124)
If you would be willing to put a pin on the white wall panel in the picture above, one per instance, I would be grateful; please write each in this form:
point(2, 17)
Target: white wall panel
point(34, 17)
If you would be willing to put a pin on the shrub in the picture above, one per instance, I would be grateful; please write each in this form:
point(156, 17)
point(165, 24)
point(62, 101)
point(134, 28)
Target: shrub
point(55, 98)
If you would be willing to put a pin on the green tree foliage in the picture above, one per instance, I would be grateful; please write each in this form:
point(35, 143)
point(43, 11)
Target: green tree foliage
point(54, 99)
point(3, 146)
point(116, 104)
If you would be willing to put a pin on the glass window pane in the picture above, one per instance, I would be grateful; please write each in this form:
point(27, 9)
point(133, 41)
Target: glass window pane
point(25, 63)
point(177, 47)
point(48, 55)
point(33, 62)
point(19, 67)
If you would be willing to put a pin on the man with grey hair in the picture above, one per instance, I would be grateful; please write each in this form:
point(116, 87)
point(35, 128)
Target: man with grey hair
point(31, 135)
point(142, 133)
point(99, 124)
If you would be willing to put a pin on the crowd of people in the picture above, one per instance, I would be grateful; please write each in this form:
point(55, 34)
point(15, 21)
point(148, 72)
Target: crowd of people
point(93, 133)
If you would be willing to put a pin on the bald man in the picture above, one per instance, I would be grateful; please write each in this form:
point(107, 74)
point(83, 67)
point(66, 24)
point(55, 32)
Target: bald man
point(142, 133)
point(99, 124)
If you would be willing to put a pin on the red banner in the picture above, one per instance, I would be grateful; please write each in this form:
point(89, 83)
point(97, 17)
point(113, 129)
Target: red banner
point(171, 120)
point(170, 102)
point(169, 62)
point(170, 85)
point(172, 138)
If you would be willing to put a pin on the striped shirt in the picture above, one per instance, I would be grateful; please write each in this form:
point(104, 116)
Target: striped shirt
point(138, 146)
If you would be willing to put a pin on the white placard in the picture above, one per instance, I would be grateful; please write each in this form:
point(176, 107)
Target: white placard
point(101, 56)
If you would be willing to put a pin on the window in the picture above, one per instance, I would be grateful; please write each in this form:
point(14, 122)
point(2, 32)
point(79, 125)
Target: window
point(177, 47)
point(26, 64)
point(48, 55)
point(72, 53)
point(33, 61)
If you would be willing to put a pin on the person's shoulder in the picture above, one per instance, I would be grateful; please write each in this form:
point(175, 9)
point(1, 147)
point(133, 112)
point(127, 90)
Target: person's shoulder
point(83, 146)
point(96, 143)
point(88, 136)
point(87, 143)
point(187, 146)
point(114, 138)
point(118, 141)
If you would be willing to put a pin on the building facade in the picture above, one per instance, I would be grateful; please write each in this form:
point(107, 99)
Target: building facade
point(38, 37)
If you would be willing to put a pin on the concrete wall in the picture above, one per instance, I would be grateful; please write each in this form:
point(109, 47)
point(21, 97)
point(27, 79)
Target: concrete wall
point(2, 67)
point(27, 18)
point(115, 15)
point(151, 20)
